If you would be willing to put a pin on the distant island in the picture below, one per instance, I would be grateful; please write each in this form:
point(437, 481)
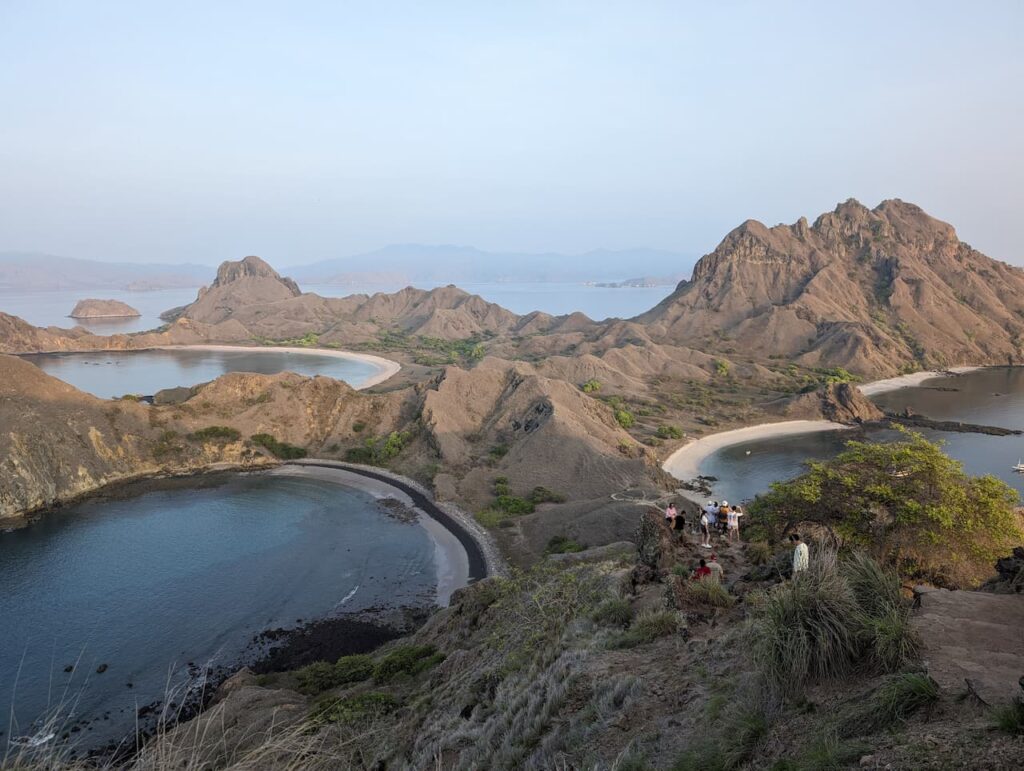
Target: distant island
point(645, 282)
point(103, 309)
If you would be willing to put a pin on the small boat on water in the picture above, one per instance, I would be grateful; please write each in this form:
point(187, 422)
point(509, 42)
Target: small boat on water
point(1019, 468)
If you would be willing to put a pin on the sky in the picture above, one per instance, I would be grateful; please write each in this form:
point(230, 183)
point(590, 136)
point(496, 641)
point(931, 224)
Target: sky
point(201, 131)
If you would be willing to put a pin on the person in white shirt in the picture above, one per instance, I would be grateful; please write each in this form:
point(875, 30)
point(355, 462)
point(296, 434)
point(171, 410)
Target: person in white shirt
point(800, 555)
point(732, 520)
point(705, 531)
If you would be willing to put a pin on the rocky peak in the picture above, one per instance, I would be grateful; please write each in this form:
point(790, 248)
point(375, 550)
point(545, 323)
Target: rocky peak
point(250, 267)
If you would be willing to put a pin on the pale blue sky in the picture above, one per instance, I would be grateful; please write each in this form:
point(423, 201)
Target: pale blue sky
point(200, 131)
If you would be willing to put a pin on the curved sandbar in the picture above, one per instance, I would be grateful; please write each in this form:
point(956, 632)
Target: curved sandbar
point(463, 550)
point(386, 367)
point(685, 462)
point(906, 381)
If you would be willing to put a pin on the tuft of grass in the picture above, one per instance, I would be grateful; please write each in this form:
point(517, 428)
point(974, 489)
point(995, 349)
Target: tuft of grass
point(744, 730)
point(807, 629)
point(828, 753)
point(1010, 718)
point(277, 448)
point(616, 612)
point(896, 699)
point(354, 709)
point(541, 494)
point(892, 642)
point(876, 589)
point(707, 592)
point(648, 627)
point(758, 553)
point(561, 544)
point(406, 661)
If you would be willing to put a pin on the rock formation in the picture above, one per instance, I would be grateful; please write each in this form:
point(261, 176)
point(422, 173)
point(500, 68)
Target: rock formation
point(101, 309)
point(870, 290)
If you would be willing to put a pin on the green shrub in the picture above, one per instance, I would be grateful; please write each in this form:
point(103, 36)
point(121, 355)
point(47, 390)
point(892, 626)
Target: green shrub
point(670, 432)
point(498, 451)
point(500, 486)
point(321, 676)
point(407, 661)
point(281, 450)
point(721, 368)
point(358, 426)
point(1010, 718)
point(624, 418)
point(129, 398)
point(560, 544)
point(617, 612)
point(544, 495)
point(216, 433)
point(892, 642)
point(362, 707)
point(591, 386)
point(708, 592)
point(511, 504)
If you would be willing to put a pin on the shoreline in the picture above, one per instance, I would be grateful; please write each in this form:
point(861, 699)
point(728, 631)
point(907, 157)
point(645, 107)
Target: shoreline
point(387, 368)
point(684, 463)
point(908, 381)
point(455, 568)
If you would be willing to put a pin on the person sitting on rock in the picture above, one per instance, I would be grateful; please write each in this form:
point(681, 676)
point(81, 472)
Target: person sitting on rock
point(702, 572)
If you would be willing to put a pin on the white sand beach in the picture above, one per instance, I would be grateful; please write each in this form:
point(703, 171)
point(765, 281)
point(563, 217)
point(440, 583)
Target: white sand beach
point(685, 462)
point(906, 381)
point(386, 367)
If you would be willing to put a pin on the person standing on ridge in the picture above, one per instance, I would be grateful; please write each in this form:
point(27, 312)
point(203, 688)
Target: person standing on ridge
point(732, 520)
point(801, 558)
point(705, 530)
point(717, 573)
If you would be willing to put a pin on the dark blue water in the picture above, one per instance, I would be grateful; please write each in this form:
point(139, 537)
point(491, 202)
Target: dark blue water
point(992, 396)
point(149, 583)
point(109, 374)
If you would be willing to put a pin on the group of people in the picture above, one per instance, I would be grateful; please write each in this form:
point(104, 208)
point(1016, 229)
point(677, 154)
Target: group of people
point(715, 517)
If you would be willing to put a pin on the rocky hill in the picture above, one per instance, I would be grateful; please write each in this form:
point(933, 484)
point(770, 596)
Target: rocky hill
point(872, 290)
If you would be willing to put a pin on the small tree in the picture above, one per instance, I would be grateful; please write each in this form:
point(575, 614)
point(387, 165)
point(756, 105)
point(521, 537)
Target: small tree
point(905, 502)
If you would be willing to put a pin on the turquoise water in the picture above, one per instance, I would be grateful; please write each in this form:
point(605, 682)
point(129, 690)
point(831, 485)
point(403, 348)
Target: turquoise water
point(992, 396)
point(114, 373)
point(147, 584)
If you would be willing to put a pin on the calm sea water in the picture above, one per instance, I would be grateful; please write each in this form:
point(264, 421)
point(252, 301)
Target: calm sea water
point(114, 373)
point(149, 583)
point(993, 396)
point(52, 308)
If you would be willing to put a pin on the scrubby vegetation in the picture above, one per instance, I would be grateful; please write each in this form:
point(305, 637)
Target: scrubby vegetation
point(431, 351)
point(648, 627)
point(561, 544)
point(378, 450)
point(907, 504)
point(591, 386)
point(216, 434)
point(277, 448)
point(322, 676)
point(669, 432)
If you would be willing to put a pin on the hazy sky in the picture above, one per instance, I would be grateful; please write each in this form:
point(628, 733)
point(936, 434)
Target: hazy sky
point(201, 131)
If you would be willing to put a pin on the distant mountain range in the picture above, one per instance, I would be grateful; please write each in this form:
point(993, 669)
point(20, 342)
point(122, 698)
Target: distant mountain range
point(399, 264)
point(423, 263)
point(29, 271)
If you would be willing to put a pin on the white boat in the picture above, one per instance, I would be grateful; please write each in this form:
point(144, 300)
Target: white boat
point(1019, 468)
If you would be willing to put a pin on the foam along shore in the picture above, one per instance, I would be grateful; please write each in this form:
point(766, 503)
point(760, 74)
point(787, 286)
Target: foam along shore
point(450, 557)
point(906, 381)
point(685, 462)
point(386, 368)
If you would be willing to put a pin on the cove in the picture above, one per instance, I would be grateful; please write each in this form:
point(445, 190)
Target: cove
point(991, 396)
point(109, 374)
point(148, 581)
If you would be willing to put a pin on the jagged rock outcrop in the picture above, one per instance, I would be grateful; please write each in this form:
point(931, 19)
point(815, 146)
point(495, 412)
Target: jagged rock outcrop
point(872, 290)
point(838, 402)
point(100, 309)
